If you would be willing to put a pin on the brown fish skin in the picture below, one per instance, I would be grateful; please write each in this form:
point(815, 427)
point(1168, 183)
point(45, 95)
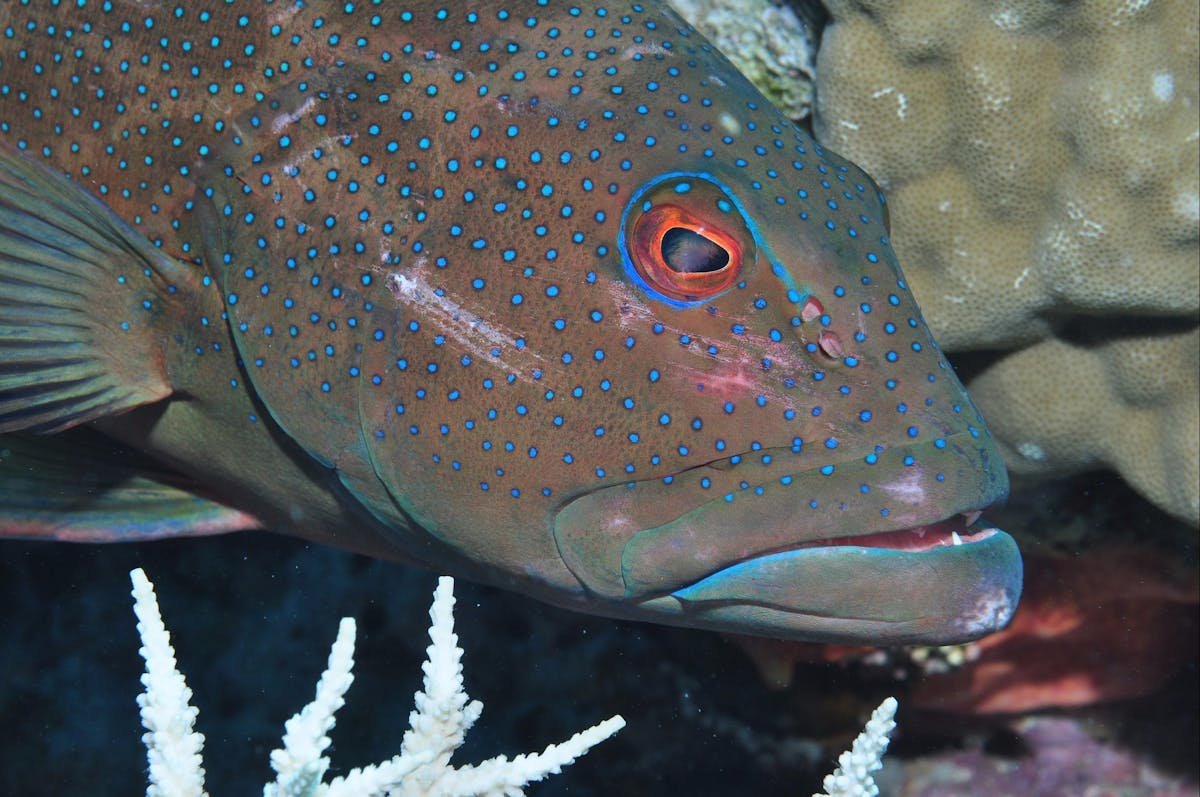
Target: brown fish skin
point(547, 296)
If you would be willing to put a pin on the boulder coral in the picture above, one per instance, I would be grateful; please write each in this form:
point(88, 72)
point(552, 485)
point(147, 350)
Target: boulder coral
point(1128, 401)
point(1042, 163)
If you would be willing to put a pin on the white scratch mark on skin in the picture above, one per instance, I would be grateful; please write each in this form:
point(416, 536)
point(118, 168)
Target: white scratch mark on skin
point(645, 50)
point(292, 168)
point(285, 119)
point(284, 15)
point(482, 338)
point(630, 306)
point(736, 371)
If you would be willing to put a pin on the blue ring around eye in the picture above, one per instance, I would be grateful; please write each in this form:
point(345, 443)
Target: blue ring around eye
point(637, 279)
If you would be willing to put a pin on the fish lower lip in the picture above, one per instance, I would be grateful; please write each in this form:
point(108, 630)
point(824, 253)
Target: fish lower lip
point(952, 532)
point(838, 593)
point(855, 550)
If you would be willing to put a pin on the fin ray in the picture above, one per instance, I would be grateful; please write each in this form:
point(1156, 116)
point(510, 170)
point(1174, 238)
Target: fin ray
point(80, 486)
point(82, 303)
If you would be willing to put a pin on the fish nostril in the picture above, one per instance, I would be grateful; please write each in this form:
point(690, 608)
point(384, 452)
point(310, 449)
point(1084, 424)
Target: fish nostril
point(830, 343)
point(812, 309)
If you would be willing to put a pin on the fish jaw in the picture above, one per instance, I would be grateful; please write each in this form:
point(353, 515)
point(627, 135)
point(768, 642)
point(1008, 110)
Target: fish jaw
point(742, 544)
point(946, 594)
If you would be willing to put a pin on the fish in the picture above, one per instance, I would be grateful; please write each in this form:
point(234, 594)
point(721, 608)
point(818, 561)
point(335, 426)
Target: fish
point(544, 295)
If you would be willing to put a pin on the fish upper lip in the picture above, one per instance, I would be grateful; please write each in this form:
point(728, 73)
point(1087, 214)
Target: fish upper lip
point(952, 530)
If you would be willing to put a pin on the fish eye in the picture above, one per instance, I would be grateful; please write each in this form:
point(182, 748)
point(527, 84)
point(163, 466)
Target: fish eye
point(681, 256)
point(687, 241)
point(690, 252)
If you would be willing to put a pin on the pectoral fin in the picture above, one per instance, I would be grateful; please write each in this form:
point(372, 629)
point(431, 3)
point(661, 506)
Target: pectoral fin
point(82, 487)
point(84, 303)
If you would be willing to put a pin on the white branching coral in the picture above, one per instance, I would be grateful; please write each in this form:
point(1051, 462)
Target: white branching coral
point(172, 747)
point(853, 776)
point(299, 765)
point(440, 721)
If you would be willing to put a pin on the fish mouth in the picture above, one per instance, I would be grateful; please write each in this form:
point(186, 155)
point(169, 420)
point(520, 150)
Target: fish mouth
point(930, 585)
point(893, 551)
point(951, 531)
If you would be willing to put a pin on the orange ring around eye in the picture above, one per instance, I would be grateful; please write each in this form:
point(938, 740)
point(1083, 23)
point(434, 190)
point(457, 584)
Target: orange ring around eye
point(647, 246)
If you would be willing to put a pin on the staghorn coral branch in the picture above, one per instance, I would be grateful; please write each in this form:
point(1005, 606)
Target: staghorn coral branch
point(443, 715)
point(853, 776)
point(173, 749)
point(299, 764)
point(499, 777)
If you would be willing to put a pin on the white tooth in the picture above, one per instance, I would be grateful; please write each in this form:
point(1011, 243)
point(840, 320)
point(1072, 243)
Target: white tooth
point(957, 539)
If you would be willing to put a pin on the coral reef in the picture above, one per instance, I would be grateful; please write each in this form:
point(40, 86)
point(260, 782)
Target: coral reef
point(1059, 758)
point(438, 726)
point(1110, 624)
point(1127, 400)
point(767, 41)
point(1041, 164)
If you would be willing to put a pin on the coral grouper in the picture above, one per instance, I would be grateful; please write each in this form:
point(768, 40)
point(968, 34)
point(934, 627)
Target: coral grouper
point(541, 294)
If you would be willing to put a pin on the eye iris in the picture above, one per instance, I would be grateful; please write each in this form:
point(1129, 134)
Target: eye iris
point(683, 255)
point(688, 252)
point(685, 240)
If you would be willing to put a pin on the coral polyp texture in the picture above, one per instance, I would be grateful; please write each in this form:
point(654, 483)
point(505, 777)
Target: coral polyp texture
point(1129, 402)
point(1042, 165)
point(766, 40)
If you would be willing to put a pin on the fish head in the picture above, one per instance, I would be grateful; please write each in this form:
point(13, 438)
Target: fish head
point(826, 466)
point(595, 322)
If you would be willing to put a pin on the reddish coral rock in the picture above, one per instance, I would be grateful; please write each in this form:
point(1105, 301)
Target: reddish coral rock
point(1114, 623)
point(1059, 758)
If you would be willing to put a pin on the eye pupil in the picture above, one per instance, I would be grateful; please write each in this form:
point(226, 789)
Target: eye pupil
point(689, 252)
